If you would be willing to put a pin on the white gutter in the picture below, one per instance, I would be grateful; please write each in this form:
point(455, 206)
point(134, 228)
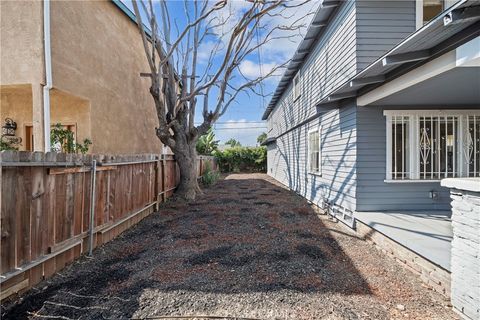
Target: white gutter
point(48, 74)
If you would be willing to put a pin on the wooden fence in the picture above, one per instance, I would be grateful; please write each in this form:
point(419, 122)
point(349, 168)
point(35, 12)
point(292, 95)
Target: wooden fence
point(46, 207)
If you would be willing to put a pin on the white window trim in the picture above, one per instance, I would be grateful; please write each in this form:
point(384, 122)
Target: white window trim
point(319, 130)
point(419, 11)
point(297, 89)
point(418, 14)
point(414, 140)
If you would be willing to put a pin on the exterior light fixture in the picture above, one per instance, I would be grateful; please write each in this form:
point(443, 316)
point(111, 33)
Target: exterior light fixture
point(9, 128)
point(8, 132)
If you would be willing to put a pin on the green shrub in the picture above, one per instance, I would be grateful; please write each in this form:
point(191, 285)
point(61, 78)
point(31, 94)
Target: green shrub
point(206, 144)
point(242, 159)
point(209, 176)
point(63, 140)
point(5, 145)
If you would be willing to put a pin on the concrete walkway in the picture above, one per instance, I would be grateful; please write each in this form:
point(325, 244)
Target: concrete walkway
point(428, 233)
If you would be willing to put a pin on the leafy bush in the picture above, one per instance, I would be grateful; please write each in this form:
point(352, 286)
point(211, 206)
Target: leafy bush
point(5, 145)
point(206, 144)
point(209, 176)
point(261, 138)
point(63, 140)
point(242, 159)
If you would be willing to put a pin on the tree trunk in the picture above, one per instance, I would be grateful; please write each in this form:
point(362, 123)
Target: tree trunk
point(186, 157)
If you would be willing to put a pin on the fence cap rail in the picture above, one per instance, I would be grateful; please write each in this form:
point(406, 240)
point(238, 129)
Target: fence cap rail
point(55, 159)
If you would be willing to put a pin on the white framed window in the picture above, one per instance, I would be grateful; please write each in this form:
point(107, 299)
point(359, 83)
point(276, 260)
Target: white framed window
point(431, 145)
point(426, 10)
point(297, 91)
point(314, 151)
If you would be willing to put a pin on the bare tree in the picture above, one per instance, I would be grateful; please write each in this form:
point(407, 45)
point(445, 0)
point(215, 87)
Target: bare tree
point(182, 79)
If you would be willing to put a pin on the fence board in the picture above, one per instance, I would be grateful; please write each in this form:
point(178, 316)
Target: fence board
point(23, 244)
point(9, 194)
point(45, 209)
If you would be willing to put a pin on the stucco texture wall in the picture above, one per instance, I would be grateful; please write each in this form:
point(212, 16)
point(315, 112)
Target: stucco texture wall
point(16, 103)
point(21, 37)
point(97, 56)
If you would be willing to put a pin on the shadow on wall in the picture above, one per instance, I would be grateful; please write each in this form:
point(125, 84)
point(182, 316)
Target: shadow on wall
point(241, 236)
point(338, 146)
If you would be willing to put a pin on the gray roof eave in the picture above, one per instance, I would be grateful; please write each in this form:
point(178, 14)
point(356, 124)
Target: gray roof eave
point(413, 49)
point(317, 27)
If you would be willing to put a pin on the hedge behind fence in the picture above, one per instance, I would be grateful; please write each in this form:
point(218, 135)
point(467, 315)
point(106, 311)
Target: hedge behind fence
point(242, 159)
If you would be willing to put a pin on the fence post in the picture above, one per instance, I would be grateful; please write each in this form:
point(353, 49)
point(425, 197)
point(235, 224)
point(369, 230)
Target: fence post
point(164, 178)
point(92, 208)
point(158, 182)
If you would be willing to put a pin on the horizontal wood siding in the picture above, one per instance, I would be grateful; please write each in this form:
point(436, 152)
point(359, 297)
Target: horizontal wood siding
point(331, 62)
point(373, 194)
point(380, 26)
point(287, 159)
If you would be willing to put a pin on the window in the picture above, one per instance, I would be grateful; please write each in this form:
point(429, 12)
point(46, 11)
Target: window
point(427, 10)
point(314, 154)
point(296, 87)
point(432, 145)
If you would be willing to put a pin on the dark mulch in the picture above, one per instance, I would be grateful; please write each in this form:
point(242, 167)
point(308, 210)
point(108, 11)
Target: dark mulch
point(247, 248)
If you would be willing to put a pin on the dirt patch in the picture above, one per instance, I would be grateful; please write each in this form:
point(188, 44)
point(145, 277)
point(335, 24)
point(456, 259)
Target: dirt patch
point(259, 253)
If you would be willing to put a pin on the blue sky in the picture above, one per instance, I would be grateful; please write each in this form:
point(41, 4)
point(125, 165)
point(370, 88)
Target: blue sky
point(242, 120)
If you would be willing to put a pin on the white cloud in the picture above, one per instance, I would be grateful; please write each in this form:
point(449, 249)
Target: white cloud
point(253, 70)
point(286, 41)
point(205, 50)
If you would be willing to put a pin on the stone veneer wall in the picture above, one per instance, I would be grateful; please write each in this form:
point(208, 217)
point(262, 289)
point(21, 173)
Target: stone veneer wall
point(465, 282)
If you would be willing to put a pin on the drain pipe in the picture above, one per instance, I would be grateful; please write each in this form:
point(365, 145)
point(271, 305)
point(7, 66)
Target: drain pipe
point(48, 74)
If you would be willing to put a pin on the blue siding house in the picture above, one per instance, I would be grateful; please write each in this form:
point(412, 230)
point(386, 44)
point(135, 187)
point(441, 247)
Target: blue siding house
point(379, 103)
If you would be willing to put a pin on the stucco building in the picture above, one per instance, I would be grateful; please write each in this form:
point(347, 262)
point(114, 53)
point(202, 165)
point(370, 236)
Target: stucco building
point(91, 55)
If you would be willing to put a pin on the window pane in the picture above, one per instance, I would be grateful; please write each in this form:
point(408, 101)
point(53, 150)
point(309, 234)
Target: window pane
point(438, 138)
point(472, 146)
point(400, 147)
point(431, 8)
point(313, 151)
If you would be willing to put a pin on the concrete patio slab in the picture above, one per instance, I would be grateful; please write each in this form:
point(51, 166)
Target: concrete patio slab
point(427, 233)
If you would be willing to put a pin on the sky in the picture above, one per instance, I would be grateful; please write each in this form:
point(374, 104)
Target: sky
point(242, 121)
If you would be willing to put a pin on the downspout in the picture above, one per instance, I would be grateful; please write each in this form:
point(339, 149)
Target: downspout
point(48, 74)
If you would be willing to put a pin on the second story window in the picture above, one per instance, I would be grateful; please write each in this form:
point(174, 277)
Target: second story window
point(431, 8)
point(296, 87)
point(427, 10)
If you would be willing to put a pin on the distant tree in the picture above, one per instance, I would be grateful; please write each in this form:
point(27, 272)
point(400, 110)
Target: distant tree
point(261, 138)
point(206, 144)
point(233, 143)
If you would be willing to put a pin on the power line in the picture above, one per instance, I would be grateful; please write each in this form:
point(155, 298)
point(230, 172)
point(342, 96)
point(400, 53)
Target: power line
point(246, 128)
point(235, 122)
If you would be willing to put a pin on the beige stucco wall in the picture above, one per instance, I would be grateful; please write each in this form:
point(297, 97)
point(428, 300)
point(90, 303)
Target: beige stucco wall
point(21, 53)
point(21, 42)
point(69, 110)
point(16, 103)
point(97, 55)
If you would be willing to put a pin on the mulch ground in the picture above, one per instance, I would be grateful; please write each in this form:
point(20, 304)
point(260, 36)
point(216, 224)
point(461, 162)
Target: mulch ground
point(246, 248)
